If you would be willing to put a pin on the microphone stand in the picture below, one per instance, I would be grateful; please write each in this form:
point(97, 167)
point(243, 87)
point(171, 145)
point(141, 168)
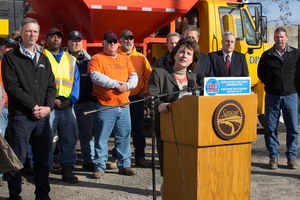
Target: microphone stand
point(151, 104)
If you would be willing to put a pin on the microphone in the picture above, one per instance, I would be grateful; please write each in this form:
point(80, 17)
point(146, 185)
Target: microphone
point(200, 82)
point(191, 85)
point(200, 79)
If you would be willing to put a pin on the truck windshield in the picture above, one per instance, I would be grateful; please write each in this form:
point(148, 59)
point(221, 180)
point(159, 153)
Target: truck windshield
point(231, 20)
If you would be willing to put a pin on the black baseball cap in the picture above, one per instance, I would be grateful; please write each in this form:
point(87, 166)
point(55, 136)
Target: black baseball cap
point(9, 42)
point(55, 30)
point(110, 36)
point(74, 34)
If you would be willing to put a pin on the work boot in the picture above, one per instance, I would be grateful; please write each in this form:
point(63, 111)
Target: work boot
point(112, 165)
point(143, 162)
point(1, 182)
point(273, 164)
point(291, 163)
point(127, 171)
point(97, 174)
point(68, 175)
point(88, 166)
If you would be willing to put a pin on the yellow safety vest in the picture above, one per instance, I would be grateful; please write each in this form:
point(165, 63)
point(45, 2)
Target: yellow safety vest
point(63, 72)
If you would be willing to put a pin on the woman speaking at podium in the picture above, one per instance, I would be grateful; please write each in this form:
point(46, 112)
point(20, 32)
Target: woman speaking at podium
point(184, 59)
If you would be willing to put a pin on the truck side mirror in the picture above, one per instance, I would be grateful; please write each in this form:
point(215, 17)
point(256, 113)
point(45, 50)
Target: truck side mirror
point(257, 37)
point(256, 19)
point(263, 28)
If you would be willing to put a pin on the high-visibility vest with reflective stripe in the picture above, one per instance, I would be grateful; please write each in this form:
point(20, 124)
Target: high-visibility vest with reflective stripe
point(63, 72)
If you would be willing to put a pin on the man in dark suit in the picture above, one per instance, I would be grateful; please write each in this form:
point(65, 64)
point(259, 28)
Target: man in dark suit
point(228, 62)
point(193, 32)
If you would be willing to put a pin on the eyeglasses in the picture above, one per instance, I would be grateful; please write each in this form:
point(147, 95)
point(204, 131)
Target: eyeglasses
point(113, 41)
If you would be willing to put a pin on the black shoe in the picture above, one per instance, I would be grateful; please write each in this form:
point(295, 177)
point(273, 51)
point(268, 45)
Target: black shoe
point(68, 175)
point(88, 166)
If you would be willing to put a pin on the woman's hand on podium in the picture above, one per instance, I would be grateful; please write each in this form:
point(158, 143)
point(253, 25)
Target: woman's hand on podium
point(163, 108)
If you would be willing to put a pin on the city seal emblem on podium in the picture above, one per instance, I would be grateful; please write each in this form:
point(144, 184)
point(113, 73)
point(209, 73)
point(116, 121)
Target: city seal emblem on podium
point(229, 119)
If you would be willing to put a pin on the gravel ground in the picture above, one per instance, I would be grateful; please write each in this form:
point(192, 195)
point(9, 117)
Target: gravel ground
point(280, 184)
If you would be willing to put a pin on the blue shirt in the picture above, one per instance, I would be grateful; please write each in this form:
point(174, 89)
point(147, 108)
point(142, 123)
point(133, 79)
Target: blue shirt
point(27, 53)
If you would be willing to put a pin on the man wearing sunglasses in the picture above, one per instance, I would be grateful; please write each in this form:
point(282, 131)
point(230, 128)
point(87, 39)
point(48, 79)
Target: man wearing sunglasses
point(113, 75)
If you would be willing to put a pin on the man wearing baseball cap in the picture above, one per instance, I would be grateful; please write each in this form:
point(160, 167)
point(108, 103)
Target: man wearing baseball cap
point(113, 76)
point(143, 69)
point(85, 102)
point(62, 118)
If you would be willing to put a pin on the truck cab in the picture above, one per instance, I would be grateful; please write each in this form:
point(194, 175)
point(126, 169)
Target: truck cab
point(214, 18)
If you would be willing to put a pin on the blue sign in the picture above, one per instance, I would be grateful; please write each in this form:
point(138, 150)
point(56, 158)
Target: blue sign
point(227, 86)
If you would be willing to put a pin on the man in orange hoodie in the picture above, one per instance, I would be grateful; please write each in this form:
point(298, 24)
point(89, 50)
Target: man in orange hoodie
point(143, 69)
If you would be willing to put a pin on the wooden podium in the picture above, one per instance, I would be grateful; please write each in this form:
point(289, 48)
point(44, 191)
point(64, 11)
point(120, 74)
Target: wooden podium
point(214, 168)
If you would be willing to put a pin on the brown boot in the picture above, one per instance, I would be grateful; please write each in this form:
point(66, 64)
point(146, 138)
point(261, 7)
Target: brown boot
point(291, 163)
point(97, 174)
point(127, 171)
point(112, 165)
point(273, 164)
point(143, 162)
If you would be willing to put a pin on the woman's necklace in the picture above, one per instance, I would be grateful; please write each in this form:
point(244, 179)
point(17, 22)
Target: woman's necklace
point(181, 80)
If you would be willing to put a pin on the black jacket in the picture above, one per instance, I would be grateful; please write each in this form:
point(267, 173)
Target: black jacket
point(162, 62)
point(238, 65)
point(205, 66)
point(278, 75)
point(28, 82)
point(163, 81)
point(86, 84)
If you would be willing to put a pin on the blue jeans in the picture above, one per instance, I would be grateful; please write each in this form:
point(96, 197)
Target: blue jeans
point(64, 121)
point(85, 128)
point(137, 128)
point(118, 121)
point(23, 129)
point(288, 105)
point(3, 120)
